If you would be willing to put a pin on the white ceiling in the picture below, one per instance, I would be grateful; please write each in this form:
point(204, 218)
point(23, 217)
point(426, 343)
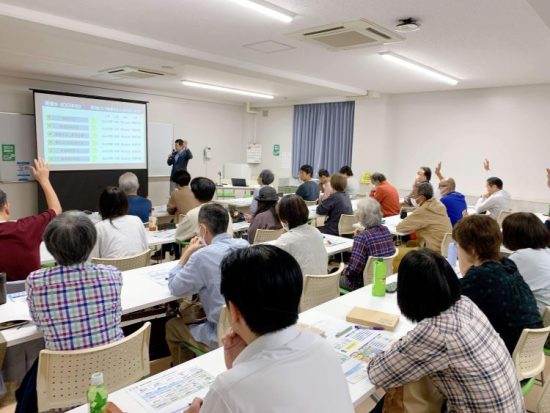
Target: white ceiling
point(484, 43)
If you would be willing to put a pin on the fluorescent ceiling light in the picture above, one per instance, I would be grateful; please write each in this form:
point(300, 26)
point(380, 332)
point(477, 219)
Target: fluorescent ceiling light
point(419, 67)
point(267, 8)
point(226, 89)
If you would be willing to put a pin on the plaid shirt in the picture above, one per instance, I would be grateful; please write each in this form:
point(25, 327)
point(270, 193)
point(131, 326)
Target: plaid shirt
point(463, 356)
point(76, 306)
point(375, 241)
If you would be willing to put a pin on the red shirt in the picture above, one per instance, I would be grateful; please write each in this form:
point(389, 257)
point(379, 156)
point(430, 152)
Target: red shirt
point(388, 197)
point(20, 244)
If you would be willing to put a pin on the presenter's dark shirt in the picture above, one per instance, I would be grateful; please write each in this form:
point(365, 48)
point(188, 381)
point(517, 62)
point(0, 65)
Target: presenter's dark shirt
point(140, 207)
point(180, 160)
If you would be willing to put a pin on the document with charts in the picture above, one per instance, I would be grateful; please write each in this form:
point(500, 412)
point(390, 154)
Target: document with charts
point(172, 392)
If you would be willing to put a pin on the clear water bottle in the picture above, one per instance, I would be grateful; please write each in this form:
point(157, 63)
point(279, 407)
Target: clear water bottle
point(97, 394)
point(452, 254)
point(379, 278)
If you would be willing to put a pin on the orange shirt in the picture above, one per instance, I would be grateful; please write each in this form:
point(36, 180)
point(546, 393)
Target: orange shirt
point(388, 197)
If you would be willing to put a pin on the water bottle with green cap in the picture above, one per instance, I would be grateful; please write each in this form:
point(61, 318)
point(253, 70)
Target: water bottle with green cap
point(379, 278)
point(97, 394)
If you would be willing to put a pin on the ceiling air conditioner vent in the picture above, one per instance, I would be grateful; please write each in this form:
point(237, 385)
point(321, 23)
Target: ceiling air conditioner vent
point(348, 35)
point(130, 72)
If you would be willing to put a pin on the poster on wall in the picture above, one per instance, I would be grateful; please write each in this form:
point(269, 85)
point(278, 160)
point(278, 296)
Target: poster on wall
point(254, 153)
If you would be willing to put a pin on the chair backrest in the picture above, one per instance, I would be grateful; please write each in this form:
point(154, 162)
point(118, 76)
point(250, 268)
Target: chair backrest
point(15, 286)
point(64, 376)
point(142, 259)
point(528, 356)
point(320, 288)
point(501, 216)
point(264, 235)
point(368, 272)
point(310, 203)
point(543, 405)
point(345, 224)
point(546, 317)
point(223, 324)
point(447, 239)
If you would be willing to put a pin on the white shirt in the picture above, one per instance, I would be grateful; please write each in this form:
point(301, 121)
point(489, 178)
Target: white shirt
point(534, 266)
point(288, 371)
point(189, 225)
point(494, 203)
point(122, 237)
point(352, 188)
point(306, 244)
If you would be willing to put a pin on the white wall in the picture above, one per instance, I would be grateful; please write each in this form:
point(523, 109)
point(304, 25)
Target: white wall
point(510, 126)
point(202, 123)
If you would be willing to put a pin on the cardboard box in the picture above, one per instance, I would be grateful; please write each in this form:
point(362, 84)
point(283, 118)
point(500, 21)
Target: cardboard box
point(372, 318)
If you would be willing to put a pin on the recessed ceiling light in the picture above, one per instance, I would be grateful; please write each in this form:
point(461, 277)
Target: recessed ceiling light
point(217, 88)
point(419, 67)
point(268, 9)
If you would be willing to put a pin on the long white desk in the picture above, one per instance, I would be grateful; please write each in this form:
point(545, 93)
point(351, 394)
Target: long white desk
point(213, 362)
point(142, 288)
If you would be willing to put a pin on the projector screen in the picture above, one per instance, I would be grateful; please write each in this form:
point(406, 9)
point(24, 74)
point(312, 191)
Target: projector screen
point(76, 132)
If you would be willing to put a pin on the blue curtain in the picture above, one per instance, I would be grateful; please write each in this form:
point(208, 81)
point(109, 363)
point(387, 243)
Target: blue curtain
point(322, 136)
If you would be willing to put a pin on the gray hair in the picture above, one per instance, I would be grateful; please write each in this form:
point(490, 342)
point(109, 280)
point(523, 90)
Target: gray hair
point(378, 177)
point(267, 176)
point(3, 199)
point(368, 212)
point(128, 182)
point(70, 237)
point(425, 189)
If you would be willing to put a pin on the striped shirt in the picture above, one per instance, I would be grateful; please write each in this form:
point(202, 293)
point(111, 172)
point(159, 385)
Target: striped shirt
point(376, 242)
point(462, 355)
point(76, 306)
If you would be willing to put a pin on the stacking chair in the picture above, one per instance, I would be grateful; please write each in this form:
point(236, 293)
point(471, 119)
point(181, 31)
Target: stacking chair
point(310, 203)
point(264, 235)
point(320, 288)
point(546, 323)
point(528, 356)
point(223, 326)
point(368, 272)
point(447, 239)
point(142, 259)
point(345, 225)
point(501, 216)
point(64, 376)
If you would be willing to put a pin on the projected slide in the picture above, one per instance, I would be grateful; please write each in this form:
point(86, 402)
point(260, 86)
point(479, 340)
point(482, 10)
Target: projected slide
point(76, 133)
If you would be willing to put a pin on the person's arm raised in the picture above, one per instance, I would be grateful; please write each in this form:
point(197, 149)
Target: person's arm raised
point(41, 173)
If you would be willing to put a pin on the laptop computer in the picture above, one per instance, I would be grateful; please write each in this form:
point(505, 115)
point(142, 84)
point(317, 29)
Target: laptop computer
point(238, 182)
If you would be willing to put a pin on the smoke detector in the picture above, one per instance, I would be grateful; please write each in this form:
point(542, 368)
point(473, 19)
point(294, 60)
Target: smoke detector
point(407, 25)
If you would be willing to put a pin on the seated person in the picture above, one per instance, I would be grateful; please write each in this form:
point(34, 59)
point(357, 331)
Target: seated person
point(137, 205)
point(118, 234)
point(198, 272)
point(527, 236)
point(303, 241)
point(204, 190)
point(547, 222)
point(376, 241)
point(309, 190)
point(266, 215)
point(424, 174)
point(454, 201)
point(324, 184)
point(386, 194)
point(75, 305)
point(20, 239)
point(495, 200)
point(429, 220)
point(494, 283)
point(335, 205)
point(453, 344)
point(265, 178)
point(352, 186)
point(272, 365)
point(182, 199)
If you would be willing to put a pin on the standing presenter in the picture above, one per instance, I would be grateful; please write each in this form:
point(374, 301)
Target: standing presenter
point(178, 159)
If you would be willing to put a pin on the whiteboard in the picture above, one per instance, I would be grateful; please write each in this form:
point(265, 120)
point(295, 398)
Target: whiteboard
point(160, 141)
point(18, 130)
point(236, 170)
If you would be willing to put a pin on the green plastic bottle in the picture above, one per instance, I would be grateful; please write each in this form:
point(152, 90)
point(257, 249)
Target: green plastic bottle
point(97, 394)
point(379, 278)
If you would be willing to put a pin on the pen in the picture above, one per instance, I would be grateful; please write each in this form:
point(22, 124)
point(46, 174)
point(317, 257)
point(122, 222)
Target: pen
point(344, 331)
point(369, 328)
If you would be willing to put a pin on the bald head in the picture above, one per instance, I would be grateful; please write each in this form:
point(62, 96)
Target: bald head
point(447, 185)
